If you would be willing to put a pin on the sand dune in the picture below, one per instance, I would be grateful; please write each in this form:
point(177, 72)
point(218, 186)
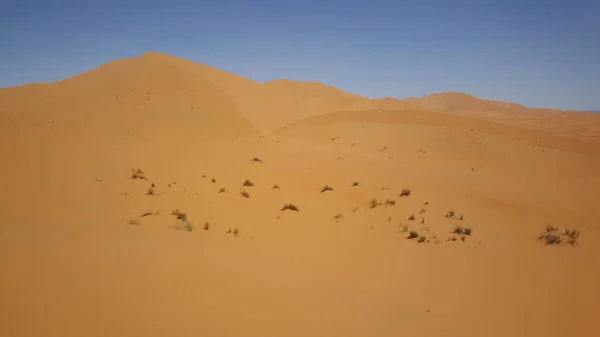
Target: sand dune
point(86, 251)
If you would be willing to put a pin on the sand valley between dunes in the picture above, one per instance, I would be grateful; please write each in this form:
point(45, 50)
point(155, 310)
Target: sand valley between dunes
point(287, 209)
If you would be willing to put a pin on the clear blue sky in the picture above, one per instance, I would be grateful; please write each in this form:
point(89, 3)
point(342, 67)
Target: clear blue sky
point(534, 52)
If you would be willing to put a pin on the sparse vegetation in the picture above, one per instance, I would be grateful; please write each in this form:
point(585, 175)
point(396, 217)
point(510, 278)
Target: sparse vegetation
point(404, 228)
point(552, 237)
point(422, 220)
point(374, 203)
point(411, 217)
point(290, 206)
point(275, 187)
point(248, 183)
point(222, 190)
point(213, 180)
point(355, 209)
point(355, 183)
point(462, 217)
point(406, 192)
point(236, 232)
point(383, 149)
point(138, 174)
point(257, 160)
point(149, 214)
point(206, 226)
point(326, 188)
point(179, 215)
point(423, 210)
point(245, 194)
point(390, 202)
point(151, 190)
point(133, 222)
point(421, 239)
point(450, 214)
point(184, 225)
point(467, 231)
point(413, 235)
point(338, 216)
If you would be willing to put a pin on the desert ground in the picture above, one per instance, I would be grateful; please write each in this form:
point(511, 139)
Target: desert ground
point(123, 210)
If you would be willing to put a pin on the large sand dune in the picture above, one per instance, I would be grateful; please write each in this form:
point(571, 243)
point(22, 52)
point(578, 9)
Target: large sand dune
point(78, 259)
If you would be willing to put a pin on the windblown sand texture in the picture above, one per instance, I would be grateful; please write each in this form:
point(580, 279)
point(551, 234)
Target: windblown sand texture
point(77, 258)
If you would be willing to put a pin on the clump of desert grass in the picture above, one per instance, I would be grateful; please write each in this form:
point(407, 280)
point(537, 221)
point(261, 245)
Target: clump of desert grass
point(222, 190)
point(338, 216)
point(213, 180)
point(291, 207)
point(411, 217)
point(422, 239)
point(179, 215)
point(245, 194)
point(206, 226)
point(390, 202)
point(248, 183)
point(257, 160)
point(184, 225)
point(406, 192)
point(450, 214)
point(462, 230)
point(551, 236)
point(326, 188)
point(275, 187)
point(138, 174)
point(374, 203)
point(413, 235)
point(356, 183)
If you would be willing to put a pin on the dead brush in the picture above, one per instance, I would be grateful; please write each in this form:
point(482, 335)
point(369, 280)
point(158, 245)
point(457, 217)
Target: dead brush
point(411, 217)
point(338, 216)
point(413, 235)
point(151, 190)
point(222, 190)
point(406, 192)
point(245, 194)
point(138, 174)
point(390, 202)
point(374, 203)
point(149, 214)
point(326, 188)
point(291, 207)
point(256, 160)
point(248, 183)
point(179, 215)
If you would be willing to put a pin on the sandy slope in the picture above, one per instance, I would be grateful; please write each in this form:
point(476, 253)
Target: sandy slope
point(71, 265)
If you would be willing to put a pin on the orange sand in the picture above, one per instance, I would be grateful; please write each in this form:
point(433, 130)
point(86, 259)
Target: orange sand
point(71, 265)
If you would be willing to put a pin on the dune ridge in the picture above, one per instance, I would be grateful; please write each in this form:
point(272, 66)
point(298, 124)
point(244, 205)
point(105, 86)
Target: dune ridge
point(154, 196)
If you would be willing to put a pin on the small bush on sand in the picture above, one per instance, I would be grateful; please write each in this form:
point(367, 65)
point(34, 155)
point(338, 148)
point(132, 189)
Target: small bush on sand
point(404, 229)
point(236, 232)
point(338, 216)
point(151, 190)
point(390, 202)
point(213, 180)
point(422, 220)
point(406, 192)
point(355, 183)
point(450, 214)
point(275, 187)
point(257, 160)
point(290, 206)
point(413, 235)
point(467, 231)
point(458, 230)
point(248, 183)
point(245, 194)
point(133, 222)
point(184, 225)
point(138, 174)
point(374, 203)
point(326, 188)
point(222, 190)
point(411, 217)
point(179, 215)
point(206, 226)
point(421, 239)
